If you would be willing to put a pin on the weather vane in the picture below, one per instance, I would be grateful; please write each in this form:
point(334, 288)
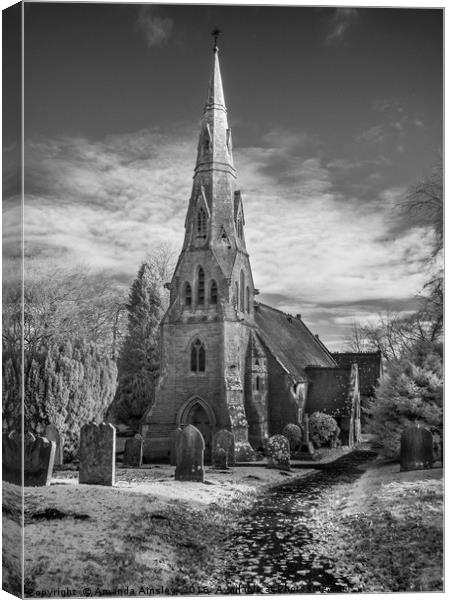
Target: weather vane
point(215, 33)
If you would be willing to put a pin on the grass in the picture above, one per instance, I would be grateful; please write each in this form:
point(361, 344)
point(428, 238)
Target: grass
point(395, 544)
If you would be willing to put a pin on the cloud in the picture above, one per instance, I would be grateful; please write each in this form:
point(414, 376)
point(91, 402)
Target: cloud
point(340, 22)
point(157, 29)
point(374, 135)
point(108, 202)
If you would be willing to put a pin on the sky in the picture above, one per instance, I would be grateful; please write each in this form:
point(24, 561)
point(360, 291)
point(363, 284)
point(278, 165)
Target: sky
point(335, 113)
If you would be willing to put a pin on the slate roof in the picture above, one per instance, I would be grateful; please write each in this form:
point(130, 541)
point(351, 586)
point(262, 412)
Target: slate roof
point(369, 367)
point(327, 389)
point(290, 341)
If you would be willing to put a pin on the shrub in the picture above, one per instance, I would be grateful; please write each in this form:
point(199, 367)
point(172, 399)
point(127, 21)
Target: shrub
point(294, 434)
point(323, 428)
point(65, 384)
point(410, 391)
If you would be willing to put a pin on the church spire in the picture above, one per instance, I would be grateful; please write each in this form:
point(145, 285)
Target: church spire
point(214, 148)
point(215, 97)
point(215, 217)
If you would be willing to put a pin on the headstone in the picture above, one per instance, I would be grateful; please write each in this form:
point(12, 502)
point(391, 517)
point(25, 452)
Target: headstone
point(174, 438)
point(38, 459)
point(278, 453)
point(97, 454)
point(220, 458)
point(225, 439)
point(416, 448)
point(53, 435)
point(190, 452)
point(132, 455)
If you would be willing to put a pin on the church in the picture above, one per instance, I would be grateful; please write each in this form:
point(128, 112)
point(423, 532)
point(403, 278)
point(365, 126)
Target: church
point(227, 360)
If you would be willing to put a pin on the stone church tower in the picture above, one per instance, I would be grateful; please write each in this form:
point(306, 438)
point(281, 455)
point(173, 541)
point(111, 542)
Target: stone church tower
point(209, 347)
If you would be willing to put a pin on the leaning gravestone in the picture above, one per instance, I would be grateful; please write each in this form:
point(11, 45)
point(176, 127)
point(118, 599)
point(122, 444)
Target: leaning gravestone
point(132, 455)
point(174, 438)
point(190, 452)
point(53, 435)
point(416, 449)
point(38, 459)
point(278, 453)
point(219, 458)
point(225, 439)
point(97, 454)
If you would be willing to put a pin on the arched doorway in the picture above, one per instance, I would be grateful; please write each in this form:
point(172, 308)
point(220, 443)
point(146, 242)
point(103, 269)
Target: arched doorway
point(199, 418)
point(198, 413)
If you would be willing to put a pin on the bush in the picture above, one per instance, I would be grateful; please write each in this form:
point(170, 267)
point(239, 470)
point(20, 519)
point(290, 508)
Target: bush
point(294, 434)
point(65, 384)
point(411, 391)
point(323, 428)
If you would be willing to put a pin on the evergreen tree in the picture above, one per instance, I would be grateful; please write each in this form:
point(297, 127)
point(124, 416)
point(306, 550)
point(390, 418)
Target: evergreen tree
point(65, 384)
point(411, 391)
point(140, 353)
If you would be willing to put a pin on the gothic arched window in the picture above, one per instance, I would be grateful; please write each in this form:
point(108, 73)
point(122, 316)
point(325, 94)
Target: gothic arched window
point(188, 294)
point(257, 383)
point(247, 299)
point(213, 293)
point(201, 287)
point(236, 294)
point(198, 357)
point(242, 286)
point(201, 222)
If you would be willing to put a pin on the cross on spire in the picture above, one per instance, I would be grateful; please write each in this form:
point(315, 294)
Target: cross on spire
point(215, 33)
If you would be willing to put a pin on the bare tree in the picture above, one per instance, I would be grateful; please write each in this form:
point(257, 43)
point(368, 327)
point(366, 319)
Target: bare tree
point(425, 202)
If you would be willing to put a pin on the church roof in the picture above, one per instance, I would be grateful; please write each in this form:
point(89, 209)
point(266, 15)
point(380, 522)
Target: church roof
point(290, 341)
point(369, 367)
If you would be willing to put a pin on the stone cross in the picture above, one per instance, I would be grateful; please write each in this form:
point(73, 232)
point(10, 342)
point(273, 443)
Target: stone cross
point(53, 435)
point(97, 454)
point(38, 459)
point(174, 438)
point(190, 452)
point(132, 455)
point(416, 448)
point(225, 439)
point(278, 453)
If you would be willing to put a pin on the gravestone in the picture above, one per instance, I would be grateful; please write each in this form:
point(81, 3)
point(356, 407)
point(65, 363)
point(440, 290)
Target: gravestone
point(97, 454)
point(174, 438)
point(220, 458)
point(53, 435)
point(190, 452)
point(416, 448)
point(38, 459)
point(225, 439)
point(132, 455)
point(278, 453)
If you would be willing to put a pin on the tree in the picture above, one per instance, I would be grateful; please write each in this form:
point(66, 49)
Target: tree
point(138, 362)
point(65, 384)
point(424, 202)
point(68, 325)
point(410, 391)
